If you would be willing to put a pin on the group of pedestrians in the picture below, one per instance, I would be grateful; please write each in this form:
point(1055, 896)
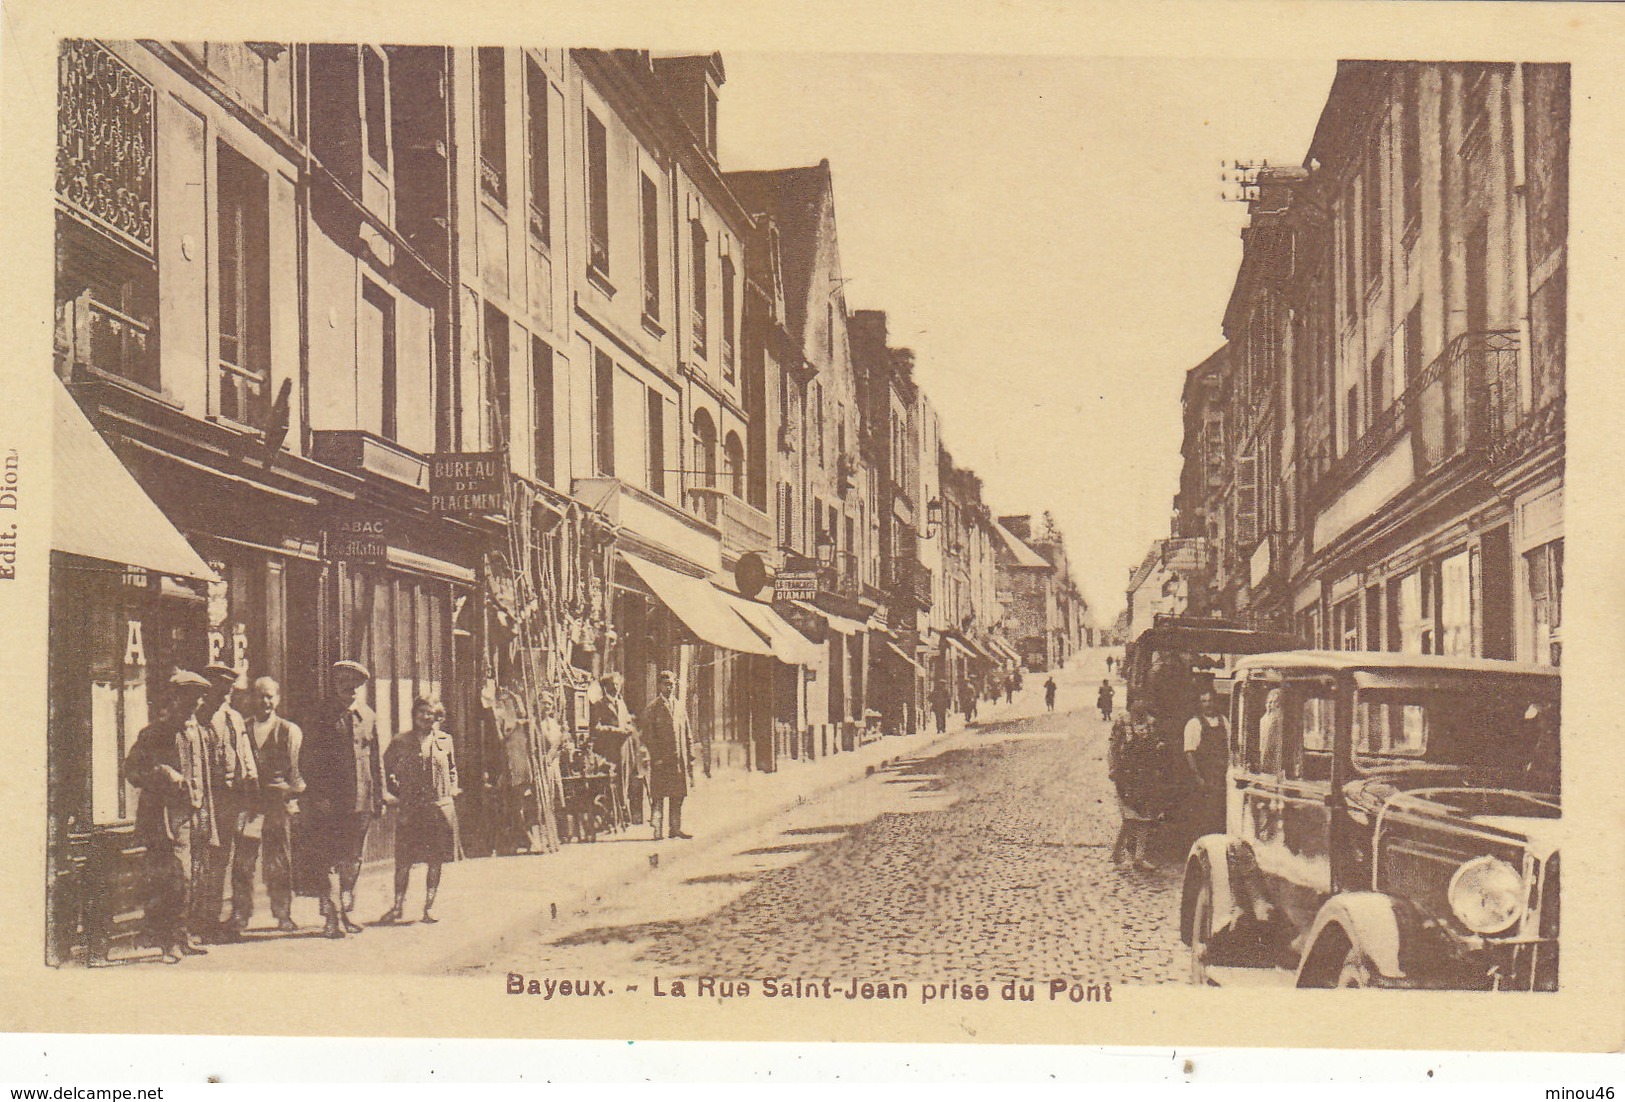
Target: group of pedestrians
point(654, 751)
point(220, 795)
point(1162, 779)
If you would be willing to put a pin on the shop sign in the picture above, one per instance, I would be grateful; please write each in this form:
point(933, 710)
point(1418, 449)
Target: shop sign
point(467, 482)
point(358, 537)
point(795, 586)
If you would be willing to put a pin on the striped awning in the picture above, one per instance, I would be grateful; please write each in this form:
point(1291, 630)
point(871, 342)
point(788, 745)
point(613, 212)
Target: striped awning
point(789, 645)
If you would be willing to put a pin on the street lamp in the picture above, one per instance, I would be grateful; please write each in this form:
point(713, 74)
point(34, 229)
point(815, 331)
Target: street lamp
point(933, 519)
point(825, 547)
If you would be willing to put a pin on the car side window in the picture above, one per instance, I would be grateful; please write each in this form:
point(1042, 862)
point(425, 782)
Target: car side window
point(1259, 736)
point(1314, 715)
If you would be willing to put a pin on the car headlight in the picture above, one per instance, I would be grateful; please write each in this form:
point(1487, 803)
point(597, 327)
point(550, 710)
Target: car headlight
point(1487, 894)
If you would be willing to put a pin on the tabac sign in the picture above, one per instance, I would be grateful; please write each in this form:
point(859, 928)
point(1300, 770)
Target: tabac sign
point(358, 537)
point(467, 482)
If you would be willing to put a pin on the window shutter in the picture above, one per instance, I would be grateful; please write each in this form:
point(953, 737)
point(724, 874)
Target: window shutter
point(1246, 500)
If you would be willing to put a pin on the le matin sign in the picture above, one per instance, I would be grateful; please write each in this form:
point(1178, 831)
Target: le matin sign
point(467, 482)
point(358, 537)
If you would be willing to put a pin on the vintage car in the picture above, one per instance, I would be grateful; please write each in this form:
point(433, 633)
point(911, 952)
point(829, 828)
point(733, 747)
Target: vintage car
point(1392, 821)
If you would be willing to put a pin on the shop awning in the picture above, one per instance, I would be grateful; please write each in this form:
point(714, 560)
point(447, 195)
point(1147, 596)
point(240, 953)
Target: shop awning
point(1004, 648)
point(789, 645)
point(700, 606)
point(101, 512)
point(899, 652)
point(836, 623)
point(954, 642)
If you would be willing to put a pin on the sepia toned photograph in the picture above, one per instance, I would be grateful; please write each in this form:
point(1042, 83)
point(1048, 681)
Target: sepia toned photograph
point(793, 543)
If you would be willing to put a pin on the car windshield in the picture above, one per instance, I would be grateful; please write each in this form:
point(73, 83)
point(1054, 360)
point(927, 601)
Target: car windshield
point(1503, 734)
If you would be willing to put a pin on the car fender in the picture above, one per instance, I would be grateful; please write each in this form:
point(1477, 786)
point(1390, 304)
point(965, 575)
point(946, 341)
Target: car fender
point(1381, 927)
point(1211, 859)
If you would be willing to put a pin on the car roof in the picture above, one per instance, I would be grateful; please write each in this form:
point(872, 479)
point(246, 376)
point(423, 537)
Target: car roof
point(1338, 660)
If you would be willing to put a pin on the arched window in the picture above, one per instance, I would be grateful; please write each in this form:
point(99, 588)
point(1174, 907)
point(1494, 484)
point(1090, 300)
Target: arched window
point(733, 465)
point(705, 449)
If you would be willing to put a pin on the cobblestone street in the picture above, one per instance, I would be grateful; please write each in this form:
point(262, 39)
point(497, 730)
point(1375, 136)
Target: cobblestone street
point(986, 856)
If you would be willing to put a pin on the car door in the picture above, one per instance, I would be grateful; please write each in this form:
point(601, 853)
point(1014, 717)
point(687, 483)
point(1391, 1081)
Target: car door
point(1281, 793)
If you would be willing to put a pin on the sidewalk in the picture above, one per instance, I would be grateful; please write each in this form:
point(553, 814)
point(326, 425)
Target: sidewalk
point(491, 901)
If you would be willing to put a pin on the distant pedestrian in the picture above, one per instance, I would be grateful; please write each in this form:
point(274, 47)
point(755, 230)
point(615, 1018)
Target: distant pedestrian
point(664, 724)
point(344, 775)
point(1104, 698)
point(1049, 693)
point(939, 705)
point(1109, 661)
point(1135, 765)
point(277, 747)
point(420, 770)
point(967, 698)
point(167, 765)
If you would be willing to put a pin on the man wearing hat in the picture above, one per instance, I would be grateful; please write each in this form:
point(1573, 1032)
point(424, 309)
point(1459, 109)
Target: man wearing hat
point(234, 780)
point(167, 764)
point(344, 785)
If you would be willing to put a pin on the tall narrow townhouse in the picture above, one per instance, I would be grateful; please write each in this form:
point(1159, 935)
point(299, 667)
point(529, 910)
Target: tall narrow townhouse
point(662, 437)
point(834, 503)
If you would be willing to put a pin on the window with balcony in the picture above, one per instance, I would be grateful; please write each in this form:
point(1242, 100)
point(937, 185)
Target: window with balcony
point(1413, 344)
point(243, 270)
point(539, 160)
point(106, 305)
point(699, 279)
point(493, 123)
point(597, 196)
point(728, 321)
point(107, 285)
point(656, 436)
point(705, 449)
point(603, 399)
point(733, 465)
point(541, 366)
point(1376, 387)
point(649, 210)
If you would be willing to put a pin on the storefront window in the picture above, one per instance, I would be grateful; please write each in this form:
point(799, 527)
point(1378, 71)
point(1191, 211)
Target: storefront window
point(1455, 605)
point(1545, 564)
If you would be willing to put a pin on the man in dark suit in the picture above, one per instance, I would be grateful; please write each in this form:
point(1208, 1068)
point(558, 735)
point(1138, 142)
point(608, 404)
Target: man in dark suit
point(665, 730)
point(344, 779)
